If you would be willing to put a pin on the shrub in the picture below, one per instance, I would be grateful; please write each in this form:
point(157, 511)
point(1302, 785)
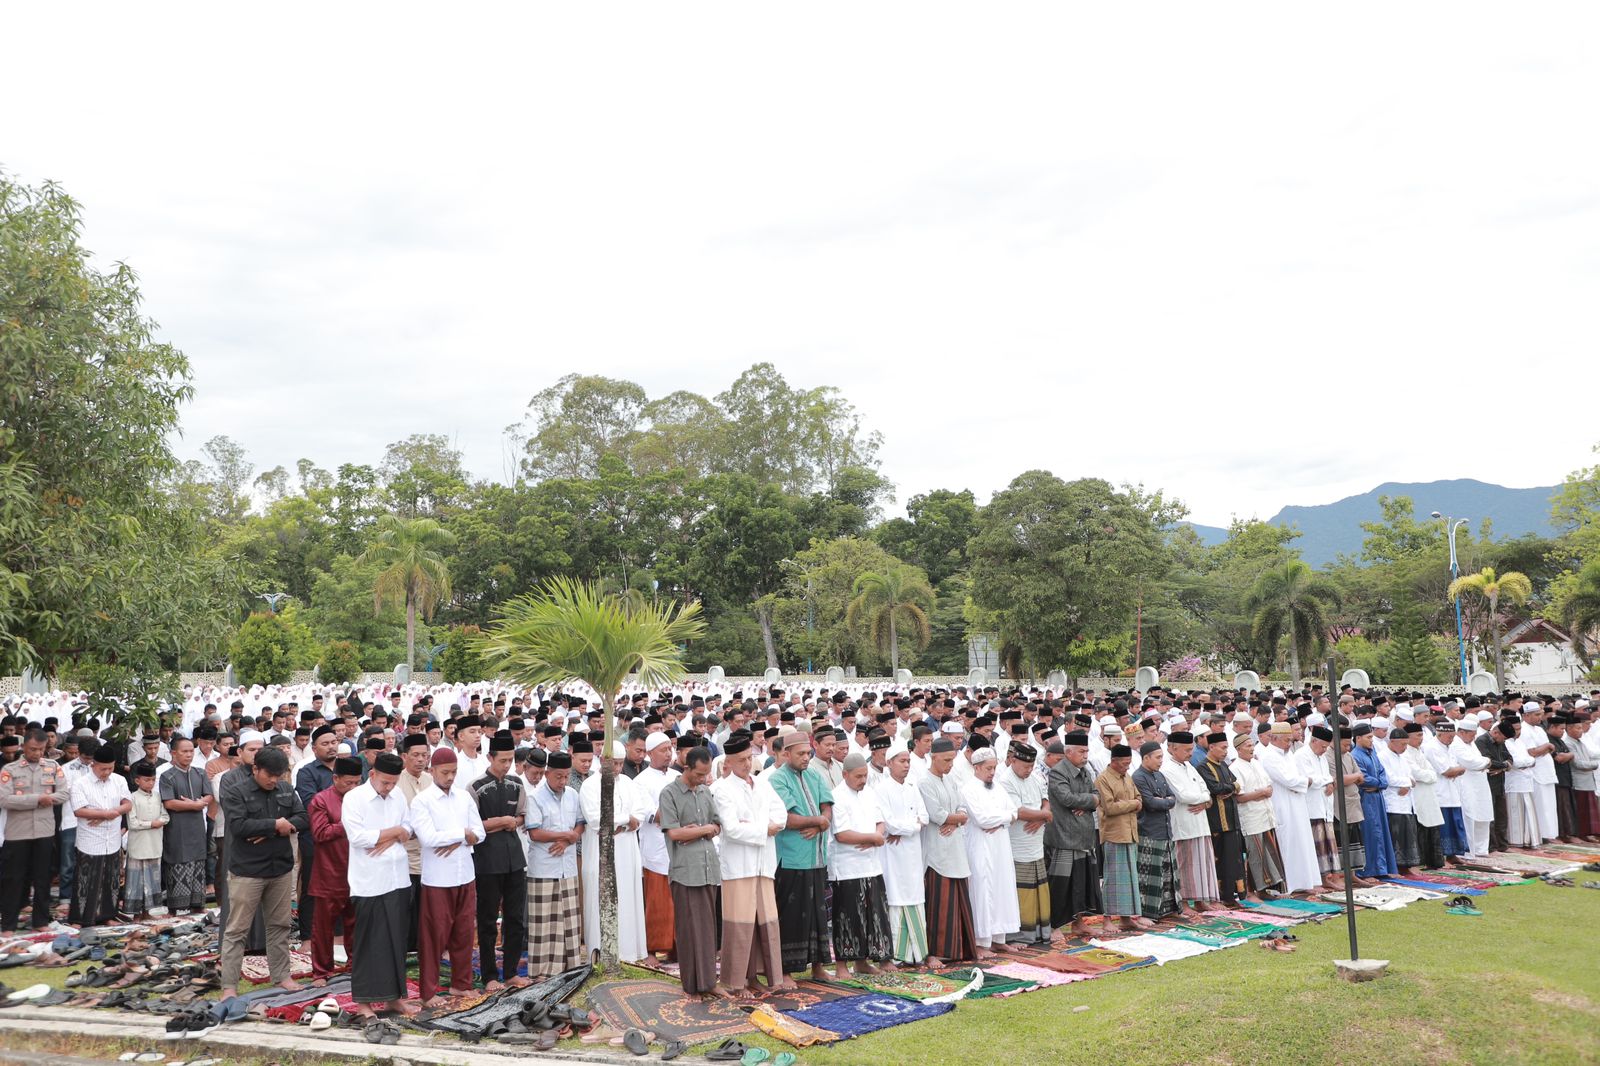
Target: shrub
point(460, 661)
point(270, 647)
point(340, 664)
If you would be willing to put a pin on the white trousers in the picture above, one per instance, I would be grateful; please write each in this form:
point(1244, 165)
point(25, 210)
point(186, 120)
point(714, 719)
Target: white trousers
point(1522, 820)
point(1544, 799)
point(1477, 836)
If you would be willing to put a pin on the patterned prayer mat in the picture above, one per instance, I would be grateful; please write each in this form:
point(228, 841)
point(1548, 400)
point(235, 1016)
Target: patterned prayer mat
point(857, 1015)
point(787, 1029)
point(1035, 976)
point(1263, 917)
point(1214, 924)
point(1453, 879)
point(1287, 905)
point(1163, 948)
point(1530, 864)
point(254, 967)
point(1436, 886)
point(994, 983)
point(1181, 933)
point(909, 985)
point(1093, 961)
point(663, 1008)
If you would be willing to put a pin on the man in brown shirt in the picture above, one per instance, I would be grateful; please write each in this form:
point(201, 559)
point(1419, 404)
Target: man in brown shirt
point(1120, 804)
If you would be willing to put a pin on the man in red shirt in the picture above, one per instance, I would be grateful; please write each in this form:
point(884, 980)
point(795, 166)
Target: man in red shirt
point(330, 869)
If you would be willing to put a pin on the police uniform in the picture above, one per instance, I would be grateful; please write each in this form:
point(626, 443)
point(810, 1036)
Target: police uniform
point(28, 857)
point(499, 861)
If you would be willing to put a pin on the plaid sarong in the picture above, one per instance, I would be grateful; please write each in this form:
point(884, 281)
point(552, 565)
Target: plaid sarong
point(1033, 901)
point(1158, 878)
point(1197, 868)
point(1120, 879)
point(555, 926)
point(1327, 846)
point(1263, 862)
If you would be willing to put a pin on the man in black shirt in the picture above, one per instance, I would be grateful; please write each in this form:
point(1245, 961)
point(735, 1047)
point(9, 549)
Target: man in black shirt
point(261, 812)
point(499, 862)
point(1492, 746)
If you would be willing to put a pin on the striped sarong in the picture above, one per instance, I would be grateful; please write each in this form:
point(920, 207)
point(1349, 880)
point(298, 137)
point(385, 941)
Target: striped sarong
point(804, 907)
point(1197, 868)
point(910, 934)
point(1263, 861)
point(555, 926)
point(1355, 844)
point(1121, 880)
point(1033, 901)
point(1158, 878)
point(1327, 846)
point(949, 915)
point(1074, 886)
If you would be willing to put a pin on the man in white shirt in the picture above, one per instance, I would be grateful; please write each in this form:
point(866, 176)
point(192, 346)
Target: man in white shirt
point(861, 931)
point(750, 814)
point(655, 776)
point(376, 824)
point(99, 800)
point(1399, 807)
point(1027, 792)
point(447, 825)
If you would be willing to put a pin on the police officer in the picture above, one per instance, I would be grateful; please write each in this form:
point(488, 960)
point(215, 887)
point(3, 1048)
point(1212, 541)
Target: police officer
point(31, 788)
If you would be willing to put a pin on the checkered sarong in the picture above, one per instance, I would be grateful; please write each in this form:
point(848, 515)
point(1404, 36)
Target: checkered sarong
point(555, 926)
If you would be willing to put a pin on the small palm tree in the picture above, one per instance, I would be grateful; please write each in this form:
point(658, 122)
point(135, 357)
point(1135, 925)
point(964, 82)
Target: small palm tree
point(1293, 599)
point(568, 630)
point(411, 571)
point(1581, 610)
point(1510, 586)
point(899, 597)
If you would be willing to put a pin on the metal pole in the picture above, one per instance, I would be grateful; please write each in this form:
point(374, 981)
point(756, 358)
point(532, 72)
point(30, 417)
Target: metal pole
point(1455, 572)
point(1340, 729)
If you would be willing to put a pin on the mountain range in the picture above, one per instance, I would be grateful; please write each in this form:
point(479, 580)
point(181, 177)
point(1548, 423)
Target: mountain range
point(1329, 529)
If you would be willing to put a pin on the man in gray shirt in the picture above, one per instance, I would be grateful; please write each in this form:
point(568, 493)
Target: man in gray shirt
point(688, 819)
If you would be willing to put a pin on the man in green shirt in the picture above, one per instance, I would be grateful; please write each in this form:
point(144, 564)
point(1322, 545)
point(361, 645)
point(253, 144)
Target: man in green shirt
point(688, 819)
point(801, 881)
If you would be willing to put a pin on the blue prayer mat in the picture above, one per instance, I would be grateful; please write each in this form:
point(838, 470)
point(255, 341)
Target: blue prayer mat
point(855, 1015)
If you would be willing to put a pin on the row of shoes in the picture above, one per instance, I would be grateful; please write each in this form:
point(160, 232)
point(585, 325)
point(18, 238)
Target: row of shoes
point(543, 1025)
point(35, 995)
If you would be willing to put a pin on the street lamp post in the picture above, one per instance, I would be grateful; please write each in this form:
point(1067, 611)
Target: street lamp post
point(273, 599)
point(1452, 524)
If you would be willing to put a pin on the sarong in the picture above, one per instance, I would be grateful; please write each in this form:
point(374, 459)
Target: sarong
point(1522, 821)
point(694, 909)
point(910, 934)
point(751, 942)
point(555, 926)
point(378, 964)
point(1327, 847)
point(1122, 880)
point(1566, 812)
point(1432, 857)
point(1197, 868)
point(143, 889)
point(861, 920)
point(446, 920)
point(1074, 886)
point(1453, 833)
point(1263, 861)
point(1033, 902)
point(1158, 878)
point(1355, 845)
point(1588, 807)
point(658, 936)
point(803, 917)
point(1403, 831)
point(1228, 847)
point(949, 913)
point(94, 899)
point(185, 884)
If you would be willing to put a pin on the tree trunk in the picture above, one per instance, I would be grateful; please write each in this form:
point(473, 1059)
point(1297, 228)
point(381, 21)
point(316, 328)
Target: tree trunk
point(607, 835)
point(411, 631)
point(764, 616)
point(1494, 634)
point(894, 647)
point(1294, 659)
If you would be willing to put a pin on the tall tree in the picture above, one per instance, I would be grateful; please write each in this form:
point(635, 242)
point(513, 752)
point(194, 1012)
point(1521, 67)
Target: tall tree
point(567, 631)
point(411, 569)
point(1290, 599)
point(741, 540)
point(576, 421)
point(891, 601)
point(1512, 588)
point(1580, 608)
point(423, 475)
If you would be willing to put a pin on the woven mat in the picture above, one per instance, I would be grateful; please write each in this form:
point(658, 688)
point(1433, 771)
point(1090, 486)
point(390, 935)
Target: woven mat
point(663, 1009)
point(1531, 864)
point(1036, 976)
point(909, 985)
point(254, 967)
point(868, 1013)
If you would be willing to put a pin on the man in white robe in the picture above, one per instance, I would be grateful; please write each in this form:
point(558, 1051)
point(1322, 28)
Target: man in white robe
point(658, 772)
point(995, 914)
point(1477, 801)
point(904, 816)
point(631, 940)
point(1289, 785)
point(1536, 742)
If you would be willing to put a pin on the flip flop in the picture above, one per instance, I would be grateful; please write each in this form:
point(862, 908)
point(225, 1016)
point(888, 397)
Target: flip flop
point(754, 1056)
point(727, 1051)
point(783, 1058)
point(319, 1020)
point(678, 1047)
point(1591, 884)
point(634, 1040)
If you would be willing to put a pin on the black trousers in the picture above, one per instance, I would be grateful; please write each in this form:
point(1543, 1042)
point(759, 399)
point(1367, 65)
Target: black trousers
point(1497, 828)
point(306, 907)
point(503, 896)
point(1228, 847)
point(27, 866)
point(416, 910)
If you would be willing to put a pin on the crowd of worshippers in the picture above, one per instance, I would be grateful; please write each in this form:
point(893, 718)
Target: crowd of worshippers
point(761, 835)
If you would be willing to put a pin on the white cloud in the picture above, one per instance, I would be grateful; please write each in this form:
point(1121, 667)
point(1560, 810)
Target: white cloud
point(1250, 255)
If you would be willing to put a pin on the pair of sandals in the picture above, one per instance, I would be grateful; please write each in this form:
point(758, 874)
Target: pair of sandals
point(1558, 882)
point(1279, 940)
point(1462, 906)
point(738, 1051)
point(638, 1042)
point(381, 1031)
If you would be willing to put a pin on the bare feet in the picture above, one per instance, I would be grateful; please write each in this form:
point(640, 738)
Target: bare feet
point(520, 982)
point(402, 1006)
point(319, 982)
point(933, 962)
point(866, 966)
point(819, 972)
point(785, 984)
point(492, 986)
point(289, 984)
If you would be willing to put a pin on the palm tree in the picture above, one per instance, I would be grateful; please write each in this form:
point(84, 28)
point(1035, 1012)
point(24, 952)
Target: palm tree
point(568, 630)
point(1511, 586)
point(411, 569)
point(1581, 610)
point(899, 596)
point(1291, 598)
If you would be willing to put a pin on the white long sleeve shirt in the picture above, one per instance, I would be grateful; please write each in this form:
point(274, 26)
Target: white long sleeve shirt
point(366, 815)
point(746, 809)
point(440, 819)
point(854, 812)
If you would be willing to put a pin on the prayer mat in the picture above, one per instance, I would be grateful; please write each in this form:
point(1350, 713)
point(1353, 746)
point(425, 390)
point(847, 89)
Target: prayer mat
point(1215, 925)
point(787, 1029)
point(655, 965)
point(1162, 949)
point(664, 1009)
point(1435, 886)
point(909, 985)
point(994, 984)
point(1181, 933)
point(1094, 961)
point(339, 990)
point(1527, 864)
point(858, 1015)
point(472, 1024)
point(1035, 976)
point(1259, 916)
point(1388, 897)
point(1452, 880)
point(1290, 905)
point(806, 994)
point(254, 967)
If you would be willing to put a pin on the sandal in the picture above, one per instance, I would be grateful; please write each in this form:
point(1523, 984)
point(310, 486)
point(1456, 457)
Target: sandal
point(634, 1040)
point(727, 1051)
point(1591, 884)
point(754, 1056)
point(783, 1058)
point(678, 1047)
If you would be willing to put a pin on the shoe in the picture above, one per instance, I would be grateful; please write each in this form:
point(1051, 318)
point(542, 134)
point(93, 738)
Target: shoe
point(319, 1021)
point(635, 1041)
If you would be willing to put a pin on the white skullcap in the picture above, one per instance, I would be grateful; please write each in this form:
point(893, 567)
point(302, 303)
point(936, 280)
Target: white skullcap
point(1316, 718)
point(1579, 705)
point(983, 755)
point(1485, 716)
point(1403, 712)
point(619, 750)
point(1379, 722)
point(1530, 705)
point(951, 727)
point(248, 735)
point(655, 740)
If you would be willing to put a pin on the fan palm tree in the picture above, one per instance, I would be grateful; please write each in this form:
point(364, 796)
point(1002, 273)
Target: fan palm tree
point(1291, 598)
point(412, 569)
point(1510, 586)
point(899, 597)
point(1581, 610)
point(569, 631)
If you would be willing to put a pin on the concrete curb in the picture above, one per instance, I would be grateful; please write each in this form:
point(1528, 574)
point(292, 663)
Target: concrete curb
point(260, 1037)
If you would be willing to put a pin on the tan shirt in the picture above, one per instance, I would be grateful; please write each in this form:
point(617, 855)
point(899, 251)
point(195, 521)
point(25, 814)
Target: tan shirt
point(410, 787)
point(21, 784)
point(1119, 808)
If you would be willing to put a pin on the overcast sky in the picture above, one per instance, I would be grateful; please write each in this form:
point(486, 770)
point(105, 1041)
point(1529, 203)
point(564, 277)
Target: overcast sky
point(1243, 254)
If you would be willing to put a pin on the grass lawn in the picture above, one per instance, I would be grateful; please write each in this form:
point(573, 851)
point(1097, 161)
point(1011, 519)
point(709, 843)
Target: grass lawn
point(1520, 984)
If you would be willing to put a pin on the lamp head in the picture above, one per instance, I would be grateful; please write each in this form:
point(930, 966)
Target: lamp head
point(1436, 514)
